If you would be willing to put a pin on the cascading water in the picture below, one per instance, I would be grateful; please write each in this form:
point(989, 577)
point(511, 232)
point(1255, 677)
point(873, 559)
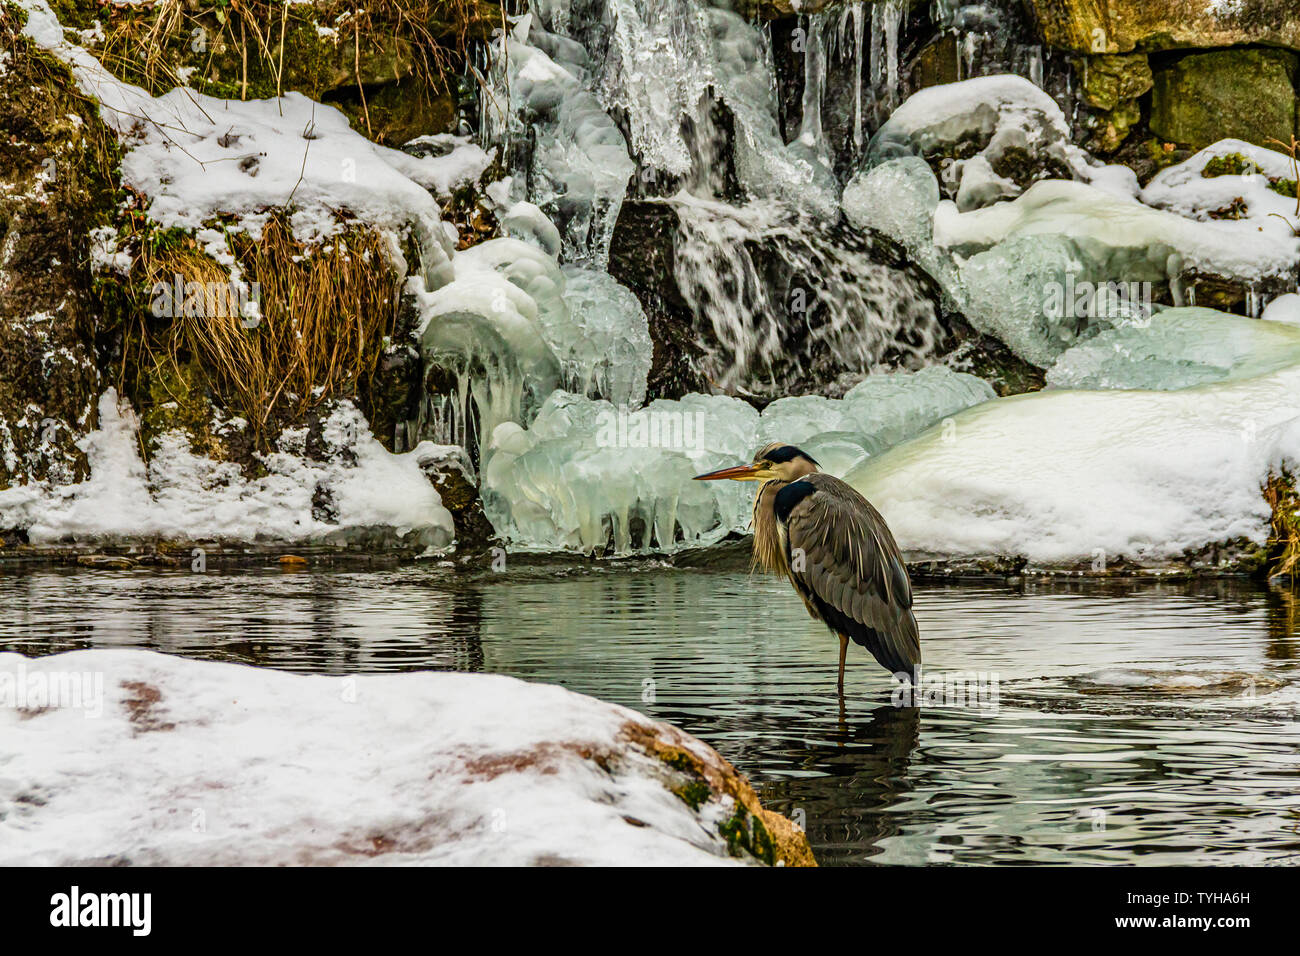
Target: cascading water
point(779, 296)
point(793, 303)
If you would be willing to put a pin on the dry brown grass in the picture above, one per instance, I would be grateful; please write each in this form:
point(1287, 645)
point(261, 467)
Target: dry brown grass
point(1284, 539)
point(142, 44)
point(324, 314)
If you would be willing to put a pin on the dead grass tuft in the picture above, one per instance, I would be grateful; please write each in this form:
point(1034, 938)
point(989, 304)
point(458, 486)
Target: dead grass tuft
point(324, 314)
point(1284, 538)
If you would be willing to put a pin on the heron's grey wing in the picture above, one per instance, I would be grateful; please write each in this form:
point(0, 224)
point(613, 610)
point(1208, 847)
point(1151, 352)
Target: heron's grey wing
point(845, 563)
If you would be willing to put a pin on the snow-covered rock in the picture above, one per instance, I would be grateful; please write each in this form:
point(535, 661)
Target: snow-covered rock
point(128, 756)
point(182, 495)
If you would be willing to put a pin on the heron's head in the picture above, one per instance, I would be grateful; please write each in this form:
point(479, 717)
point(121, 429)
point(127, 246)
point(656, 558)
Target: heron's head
point(777, 461)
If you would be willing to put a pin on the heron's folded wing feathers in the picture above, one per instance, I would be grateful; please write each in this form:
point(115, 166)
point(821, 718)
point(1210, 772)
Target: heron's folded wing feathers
point(846, 564)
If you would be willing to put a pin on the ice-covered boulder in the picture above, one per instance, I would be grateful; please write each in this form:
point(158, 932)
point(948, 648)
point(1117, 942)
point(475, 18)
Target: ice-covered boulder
point(218, 764)
point(986, 138)
point(1030, 268)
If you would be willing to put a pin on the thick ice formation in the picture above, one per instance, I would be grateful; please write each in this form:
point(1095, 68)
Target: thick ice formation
point(1135, 240)
point(588, 474)
point(513, 326)
point(1027, 257)
point(1063, 476)
point(898, 198)
point(1177, 348)
point(486, 328)
point(575, 158)
point(179, 495)
point(167, 761)
point(660, 63)
point(604, 349)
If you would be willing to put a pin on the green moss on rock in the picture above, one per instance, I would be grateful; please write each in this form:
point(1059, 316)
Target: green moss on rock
point(1246, 94)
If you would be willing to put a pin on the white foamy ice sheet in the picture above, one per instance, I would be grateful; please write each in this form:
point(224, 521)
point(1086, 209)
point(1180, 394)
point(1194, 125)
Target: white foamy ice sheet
point(1062, 476)
point(202, 763)
point(1175, 349)
point(587, 472)
point(181, 495)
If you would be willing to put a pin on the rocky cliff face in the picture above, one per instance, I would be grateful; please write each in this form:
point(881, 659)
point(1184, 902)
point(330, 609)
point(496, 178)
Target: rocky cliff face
point(1122, 26)
point(56, 191)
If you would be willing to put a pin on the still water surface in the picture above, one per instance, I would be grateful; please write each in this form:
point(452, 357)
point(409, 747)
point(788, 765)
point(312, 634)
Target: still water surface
point(1135, 723)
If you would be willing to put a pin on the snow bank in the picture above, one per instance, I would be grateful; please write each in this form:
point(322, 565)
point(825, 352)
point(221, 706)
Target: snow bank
point(1186, 190)
point(202, 763)
point(1066, 476)
point(1123, 234)
point(181, 495)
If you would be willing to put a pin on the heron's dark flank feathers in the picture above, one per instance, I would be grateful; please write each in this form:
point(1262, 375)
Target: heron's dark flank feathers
point(845, 564)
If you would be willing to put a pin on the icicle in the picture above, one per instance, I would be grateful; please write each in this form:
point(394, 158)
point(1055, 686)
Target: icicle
point(859, 22)
point(814, 81)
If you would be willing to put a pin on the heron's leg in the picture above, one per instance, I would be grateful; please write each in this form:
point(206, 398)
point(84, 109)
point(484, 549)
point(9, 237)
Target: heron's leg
point(844, 646)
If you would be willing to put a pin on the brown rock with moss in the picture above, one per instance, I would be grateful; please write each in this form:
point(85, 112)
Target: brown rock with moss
point(1247, 94)
point(1111, 87)
point(700, 774)
point(1121, 26)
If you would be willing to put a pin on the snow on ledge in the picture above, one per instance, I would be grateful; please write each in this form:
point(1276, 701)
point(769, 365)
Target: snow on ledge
point(181, 762)
point(183, 495)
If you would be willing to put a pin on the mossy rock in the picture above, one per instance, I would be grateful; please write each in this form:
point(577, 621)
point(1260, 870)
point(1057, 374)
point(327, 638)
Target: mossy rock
point(56, 186)
point(1246, 94)
point(1235, 164)
point(1121, 26)
point(1110, 87)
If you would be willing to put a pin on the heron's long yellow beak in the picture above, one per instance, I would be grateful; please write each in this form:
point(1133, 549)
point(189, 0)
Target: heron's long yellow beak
point(735, 473)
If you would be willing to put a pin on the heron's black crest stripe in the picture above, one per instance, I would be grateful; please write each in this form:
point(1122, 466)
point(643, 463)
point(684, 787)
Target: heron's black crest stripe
point(789, 496)
point(788, 453)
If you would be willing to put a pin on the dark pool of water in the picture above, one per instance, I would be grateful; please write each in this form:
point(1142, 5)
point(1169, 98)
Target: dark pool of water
point(1143, 722)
